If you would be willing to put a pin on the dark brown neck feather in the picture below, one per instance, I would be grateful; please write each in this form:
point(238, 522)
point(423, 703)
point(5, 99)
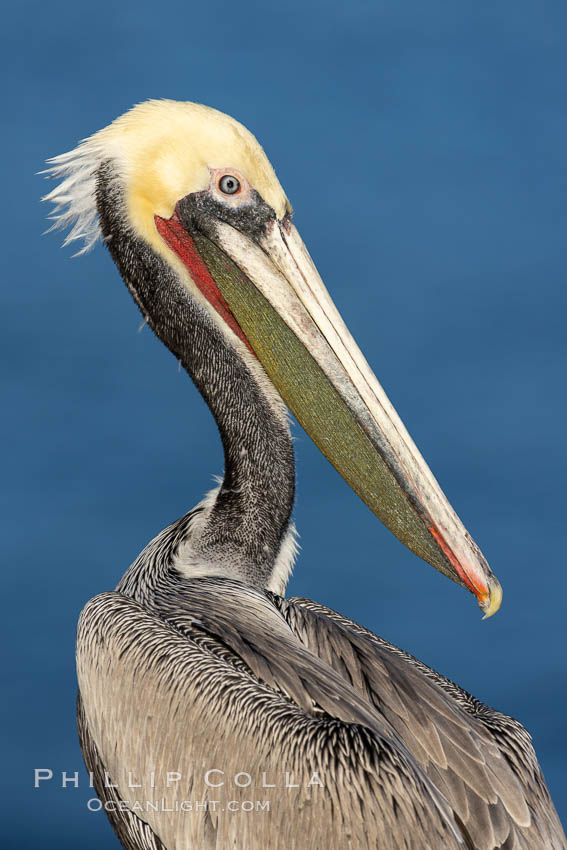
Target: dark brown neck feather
point(252, 510)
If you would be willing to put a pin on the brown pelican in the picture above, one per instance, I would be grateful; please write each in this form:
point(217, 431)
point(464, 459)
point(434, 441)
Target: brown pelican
point(213, 711)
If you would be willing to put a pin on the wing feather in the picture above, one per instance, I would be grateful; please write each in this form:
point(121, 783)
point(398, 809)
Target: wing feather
point(480, 760)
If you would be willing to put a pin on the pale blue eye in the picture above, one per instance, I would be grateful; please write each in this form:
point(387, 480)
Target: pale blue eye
point(229, 184)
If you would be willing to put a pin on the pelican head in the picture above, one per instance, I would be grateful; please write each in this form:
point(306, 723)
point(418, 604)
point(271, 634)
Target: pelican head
point(179, 190)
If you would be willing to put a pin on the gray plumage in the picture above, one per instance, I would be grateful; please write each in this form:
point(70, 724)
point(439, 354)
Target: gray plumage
point(197, 673)
point(216, 712)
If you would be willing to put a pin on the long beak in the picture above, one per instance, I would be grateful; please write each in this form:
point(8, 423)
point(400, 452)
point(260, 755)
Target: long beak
point(279, 301)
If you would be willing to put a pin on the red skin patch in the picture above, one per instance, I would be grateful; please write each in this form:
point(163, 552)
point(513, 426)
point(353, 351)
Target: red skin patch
point(176, 237)
point(480, 592)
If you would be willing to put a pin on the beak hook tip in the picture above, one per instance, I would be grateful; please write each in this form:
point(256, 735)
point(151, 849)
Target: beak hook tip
point(492, 603)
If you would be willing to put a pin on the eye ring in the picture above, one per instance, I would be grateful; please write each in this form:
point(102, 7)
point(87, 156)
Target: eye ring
point(229, 184)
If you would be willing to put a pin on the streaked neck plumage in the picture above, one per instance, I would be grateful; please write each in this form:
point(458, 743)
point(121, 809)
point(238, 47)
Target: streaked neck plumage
point(241, 531)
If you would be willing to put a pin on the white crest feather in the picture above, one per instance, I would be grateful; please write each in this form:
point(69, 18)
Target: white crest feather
point(74, 199)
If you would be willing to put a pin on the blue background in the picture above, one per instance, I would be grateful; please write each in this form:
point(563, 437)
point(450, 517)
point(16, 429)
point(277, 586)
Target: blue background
point(423, 146)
